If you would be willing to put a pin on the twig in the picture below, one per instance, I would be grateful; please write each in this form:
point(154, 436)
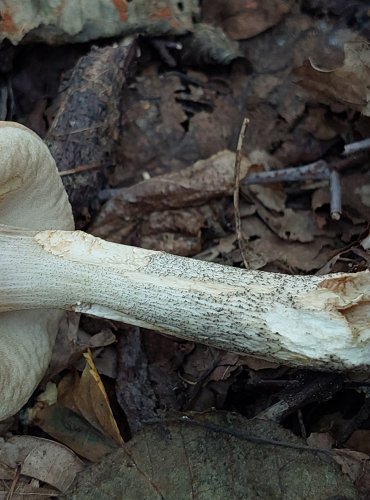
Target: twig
point(300, 173)
point(219, 429)
point(365, 243)
point(321, 388)
point(316, 170)
point(238, 159)
point(163, 47)
point(14, 484)
point(356, 147)
point(301, 423)
point(335, 195)
point(353, 160)
point(79, 169)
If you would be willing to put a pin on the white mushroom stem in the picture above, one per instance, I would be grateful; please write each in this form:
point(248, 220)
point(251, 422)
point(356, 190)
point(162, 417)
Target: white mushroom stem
point(313, 321)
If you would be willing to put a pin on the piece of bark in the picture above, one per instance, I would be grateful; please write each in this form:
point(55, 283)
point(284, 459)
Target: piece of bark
point(68, 21)
point(86, 127)
point(134, 392)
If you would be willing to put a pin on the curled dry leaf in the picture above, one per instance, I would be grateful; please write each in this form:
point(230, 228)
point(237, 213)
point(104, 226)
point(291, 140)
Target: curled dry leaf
point(191, 187)
point(347, 85)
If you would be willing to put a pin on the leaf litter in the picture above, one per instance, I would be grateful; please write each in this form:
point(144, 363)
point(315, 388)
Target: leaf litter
point(168, 184)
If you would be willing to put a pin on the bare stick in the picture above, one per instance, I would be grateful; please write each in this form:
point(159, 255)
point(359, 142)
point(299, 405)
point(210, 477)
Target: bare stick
point(316, 170)
point(238, 159)
point(80, 169)
point(335, 195)
point(356, 147)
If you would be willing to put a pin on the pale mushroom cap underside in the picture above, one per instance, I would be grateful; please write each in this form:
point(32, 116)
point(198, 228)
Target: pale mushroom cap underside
point(32, 196)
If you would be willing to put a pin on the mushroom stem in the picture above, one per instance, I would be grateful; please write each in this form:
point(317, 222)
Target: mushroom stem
point(314, 321)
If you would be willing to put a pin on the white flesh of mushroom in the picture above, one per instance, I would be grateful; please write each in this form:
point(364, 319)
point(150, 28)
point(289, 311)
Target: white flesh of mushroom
point(311, 321)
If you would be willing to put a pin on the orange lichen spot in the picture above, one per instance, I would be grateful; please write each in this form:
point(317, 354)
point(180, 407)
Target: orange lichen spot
point(163, 13)
point(7, 24)
point(122, 9)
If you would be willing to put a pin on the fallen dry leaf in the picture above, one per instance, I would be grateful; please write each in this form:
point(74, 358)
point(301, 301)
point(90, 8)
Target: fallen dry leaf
point(347, 85)
point(359, 441)
point(189, 456)
point(292, 255)
point(204, 364)
point(66, 349)
point(170, 122)
point(42, 459)
point(72, 342)
point(225, 246)
point(323, 440)
point(242, 19)
point(87, 396)
point(208, 373)
point(71, 429)
point(257, 364)
point(193, 186)
point(352, 462)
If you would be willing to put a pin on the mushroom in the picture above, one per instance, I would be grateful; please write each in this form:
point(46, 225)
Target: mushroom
point(46, 268)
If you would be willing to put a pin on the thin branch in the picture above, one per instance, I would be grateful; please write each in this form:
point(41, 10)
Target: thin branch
point(356, 147)
point(316, 170)
point(357, 159)
point(219, 429)
point(15, 482)
point(80, 169)
point(335, 195)
point(238, 159)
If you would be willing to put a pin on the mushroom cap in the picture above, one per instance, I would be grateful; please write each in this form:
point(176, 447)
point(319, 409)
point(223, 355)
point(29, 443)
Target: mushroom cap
point(32, 196)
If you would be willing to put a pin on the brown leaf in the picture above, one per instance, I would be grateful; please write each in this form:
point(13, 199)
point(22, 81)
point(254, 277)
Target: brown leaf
point(323, 440)
point(306, 257)
point(206, 363)
point(257, 364)
point(92, 401)
point(242, 19)
point(208, 373)
point(171, 122)
point(71, 429)
point(347, 85)
point(42, 459)
point(66, 349)
point(198, 455)
point(352, 462)
point(359, 441)
point(193, 186)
